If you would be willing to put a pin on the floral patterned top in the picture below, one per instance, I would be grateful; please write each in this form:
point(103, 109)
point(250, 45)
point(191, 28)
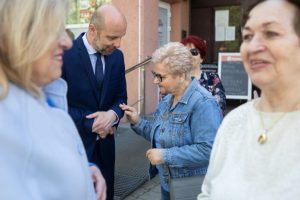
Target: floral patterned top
point(212, 83)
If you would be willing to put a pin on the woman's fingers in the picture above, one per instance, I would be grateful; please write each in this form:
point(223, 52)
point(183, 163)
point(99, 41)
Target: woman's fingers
point(126, 107)
point(130, 113)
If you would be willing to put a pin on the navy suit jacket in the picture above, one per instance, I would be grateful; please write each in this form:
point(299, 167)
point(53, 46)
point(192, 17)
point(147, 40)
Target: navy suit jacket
point(84, 98)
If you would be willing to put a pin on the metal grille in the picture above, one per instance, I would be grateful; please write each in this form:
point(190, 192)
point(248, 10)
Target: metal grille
point(131, 163)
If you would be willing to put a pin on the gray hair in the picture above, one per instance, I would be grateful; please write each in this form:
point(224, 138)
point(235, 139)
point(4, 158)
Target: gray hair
point(175, 56)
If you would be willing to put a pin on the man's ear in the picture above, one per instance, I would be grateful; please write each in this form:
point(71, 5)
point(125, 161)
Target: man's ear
point(92, 29)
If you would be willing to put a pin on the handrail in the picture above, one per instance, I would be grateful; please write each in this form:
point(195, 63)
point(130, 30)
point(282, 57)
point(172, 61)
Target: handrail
point(141, 64)
point(141, 99)
point(144, 62)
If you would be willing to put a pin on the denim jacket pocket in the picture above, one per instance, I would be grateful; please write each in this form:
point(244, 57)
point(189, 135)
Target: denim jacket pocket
point(178, 128)
point(178, 118)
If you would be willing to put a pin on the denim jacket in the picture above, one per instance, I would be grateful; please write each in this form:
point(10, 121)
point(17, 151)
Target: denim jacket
point(186, 131)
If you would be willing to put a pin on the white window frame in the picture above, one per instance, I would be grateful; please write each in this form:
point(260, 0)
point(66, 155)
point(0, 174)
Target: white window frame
point(167, 6)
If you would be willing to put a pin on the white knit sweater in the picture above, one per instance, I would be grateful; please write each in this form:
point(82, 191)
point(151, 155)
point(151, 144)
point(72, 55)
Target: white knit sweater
point(242, 169)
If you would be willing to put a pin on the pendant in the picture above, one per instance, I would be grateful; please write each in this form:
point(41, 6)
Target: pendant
point(262, 138)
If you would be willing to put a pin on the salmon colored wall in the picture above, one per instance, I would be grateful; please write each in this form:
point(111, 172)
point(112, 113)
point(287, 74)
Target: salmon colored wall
point(150, 28)
point(143, 32)
point(141, 40)
point(179, 19)
point(129, 45)
point(185, 16)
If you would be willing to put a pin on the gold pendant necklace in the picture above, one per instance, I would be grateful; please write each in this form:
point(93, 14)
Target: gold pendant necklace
point(263, 137)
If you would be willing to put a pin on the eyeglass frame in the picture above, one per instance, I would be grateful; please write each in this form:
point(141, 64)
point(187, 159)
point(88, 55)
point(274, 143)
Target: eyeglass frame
point(159, 77)
point(195, 51)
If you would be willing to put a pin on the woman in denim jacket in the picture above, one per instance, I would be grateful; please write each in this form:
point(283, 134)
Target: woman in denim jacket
point(185, 122)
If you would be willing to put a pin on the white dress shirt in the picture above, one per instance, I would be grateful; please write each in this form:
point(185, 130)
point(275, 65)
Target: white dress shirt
point(91, 51)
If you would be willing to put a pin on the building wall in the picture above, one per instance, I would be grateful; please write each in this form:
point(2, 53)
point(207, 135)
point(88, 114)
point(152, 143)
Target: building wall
point(139, 43)
point(141, 40)
point(129, 45)
point(211, 3)
point(179, 19)
point(150, 43)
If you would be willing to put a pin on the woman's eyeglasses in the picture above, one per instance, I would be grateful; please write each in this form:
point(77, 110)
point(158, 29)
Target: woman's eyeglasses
point(194, 52)
point(159, 77)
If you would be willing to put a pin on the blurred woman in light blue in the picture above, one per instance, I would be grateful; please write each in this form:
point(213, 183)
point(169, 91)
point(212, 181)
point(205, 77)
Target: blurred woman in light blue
point(42, 156)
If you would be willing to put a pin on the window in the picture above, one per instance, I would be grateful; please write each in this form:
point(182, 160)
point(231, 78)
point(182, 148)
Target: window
point(164, 23)
point(81, 11)
point(227, 29)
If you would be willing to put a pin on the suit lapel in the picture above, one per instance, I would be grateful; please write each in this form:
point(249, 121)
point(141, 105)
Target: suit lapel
point(87, 65)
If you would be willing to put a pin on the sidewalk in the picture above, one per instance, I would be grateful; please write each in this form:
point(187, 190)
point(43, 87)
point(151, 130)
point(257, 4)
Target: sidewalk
point(150, 190)
point(131, 177)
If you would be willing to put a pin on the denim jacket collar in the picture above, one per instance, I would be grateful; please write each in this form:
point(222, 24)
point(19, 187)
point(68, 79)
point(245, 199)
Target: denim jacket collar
point(187, 93)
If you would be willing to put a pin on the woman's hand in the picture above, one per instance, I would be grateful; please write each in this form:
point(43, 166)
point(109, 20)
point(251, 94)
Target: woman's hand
point(131, 113)
point(155, 156)
point(99, 183)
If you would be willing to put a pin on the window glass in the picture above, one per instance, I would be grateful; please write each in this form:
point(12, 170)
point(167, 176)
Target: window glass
point(227, 29)
point(81, 11)
point(163, 26)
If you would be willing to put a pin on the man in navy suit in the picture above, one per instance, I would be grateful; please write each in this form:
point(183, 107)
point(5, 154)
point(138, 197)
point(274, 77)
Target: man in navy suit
point(94, 104)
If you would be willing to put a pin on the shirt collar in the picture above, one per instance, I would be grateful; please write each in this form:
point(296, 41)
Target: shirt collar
point(87, 45)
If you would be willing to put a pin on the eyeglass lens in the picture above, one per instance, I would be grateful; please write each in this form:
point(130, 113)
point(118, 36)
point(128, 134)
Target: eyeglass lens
point(194, 51)
point(158, 76)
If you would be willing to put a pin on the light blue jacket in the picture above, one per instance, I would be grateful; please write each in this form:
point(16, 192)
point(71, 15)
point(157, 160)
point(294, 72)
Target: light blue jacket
point(186, 131)
point(41, 153)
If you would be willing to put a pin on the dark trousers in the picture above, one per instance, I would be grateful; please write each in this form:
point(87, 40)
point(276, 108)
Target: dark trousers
point(107, 170)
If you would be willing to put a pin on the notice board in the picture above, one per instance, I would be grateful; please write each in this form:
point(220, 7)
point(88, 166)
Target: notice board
point(234, 78)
